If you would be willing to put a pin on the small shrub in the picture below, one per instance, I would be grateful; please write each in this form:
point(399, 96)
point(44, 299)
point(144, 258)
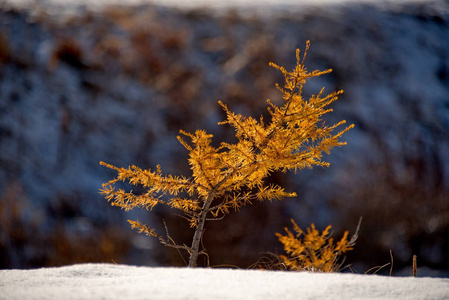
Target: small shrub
point(313, 251)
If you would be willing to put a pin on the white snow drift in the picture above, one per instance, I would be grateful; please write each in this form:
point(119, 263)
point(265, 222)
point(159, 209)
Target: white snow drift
point(108, 281)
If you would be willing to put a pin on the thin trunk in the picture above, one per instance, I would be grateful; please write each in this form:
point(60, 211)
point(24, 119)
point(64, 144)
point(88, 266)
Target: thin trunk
point(199, 233)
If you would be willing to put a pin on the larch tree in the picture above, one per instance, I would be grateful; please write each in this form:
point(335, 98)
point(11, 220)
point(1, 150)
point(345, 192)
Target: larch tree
point(232, 175)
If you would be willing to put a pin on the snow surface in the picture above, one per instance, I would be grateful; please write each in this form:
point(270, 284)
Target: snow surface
point(211, 4)
point(109, 281)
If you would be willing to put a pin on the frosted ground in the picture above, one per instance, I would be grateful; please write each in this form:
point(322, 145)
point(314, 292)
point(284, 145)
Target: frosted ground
point(260, 5)
point(108, 281)
point(212, 3)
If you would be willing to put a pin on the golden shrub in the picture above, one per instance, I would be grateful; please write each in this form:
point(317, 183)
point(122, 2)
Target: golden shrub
point(312, 250)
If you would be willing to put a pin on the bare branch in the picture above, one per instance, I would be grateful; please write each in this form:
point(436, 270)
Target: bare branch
point(356, 234)
point(215, 219)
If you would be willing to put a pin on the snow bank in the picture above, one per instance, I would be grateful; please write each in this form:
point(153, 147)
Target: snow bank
point(211, 3)
point(108, 281)
point(261, 6)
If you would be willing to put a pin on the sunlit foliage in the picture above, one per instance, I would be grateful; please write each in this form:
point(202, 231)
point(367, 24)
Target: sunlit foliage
point(229, 176)
point(312, 250)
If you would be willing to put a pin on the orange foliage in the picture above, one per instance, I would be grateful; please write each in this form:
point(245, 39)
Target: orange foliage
point(313, 251)
point(229, 176)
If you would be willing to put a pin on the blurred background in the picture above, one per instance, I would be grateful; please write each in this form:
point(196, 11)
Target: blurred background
point(81, 84)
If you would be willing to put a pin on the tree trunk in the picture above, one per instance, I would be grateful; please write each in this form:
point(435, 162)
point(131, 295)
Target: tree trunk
point(199, 233)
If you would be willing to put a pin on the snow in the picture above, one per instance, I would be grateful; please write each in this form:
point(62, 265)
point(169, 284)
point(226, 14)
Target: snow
point(109, 281)
point(211, 4)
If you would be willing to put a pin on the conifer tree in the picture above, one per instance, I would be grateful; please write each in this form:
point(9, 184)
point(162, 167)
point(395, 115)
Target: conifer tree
point(229, 176)
point(312, 251)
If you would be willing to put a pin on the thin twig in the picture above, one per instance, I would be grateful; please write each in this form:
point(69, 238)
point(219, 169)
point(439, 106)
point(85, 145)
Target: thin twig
point(215, 219)
point(415, 266)
point(391, 266)
point(355, 236)
point(207, 262)
point(169, 242)
point(169, 238)
point(378, 268)
point(351, 269)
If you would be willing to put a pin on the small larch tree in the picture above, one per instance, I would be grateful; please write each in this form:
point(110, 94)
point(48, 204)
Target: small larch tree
point(312, 250)
point(229, 176)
